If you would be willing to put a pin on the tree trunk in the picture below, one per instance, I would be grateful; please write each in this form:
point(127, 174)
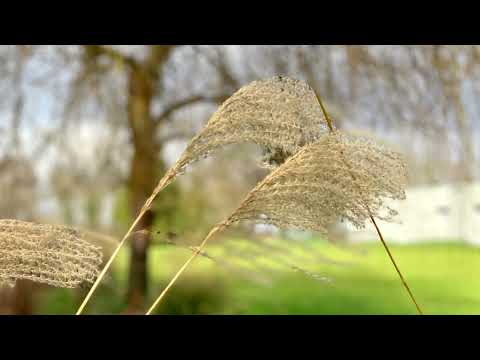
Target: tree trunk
point(141, 181)
point(17, 300)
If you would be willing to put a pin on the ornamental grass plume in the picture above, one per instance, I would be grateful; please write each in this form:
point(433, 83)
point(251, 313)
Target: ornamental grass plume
point(337, 178)
point(49, 254)
point(280, 114)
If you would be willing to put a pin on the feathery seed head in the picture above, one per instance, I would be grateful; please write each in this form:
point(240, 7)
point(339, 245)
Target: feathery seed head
point(280, 114)
point(336, 178)
point(51, 254)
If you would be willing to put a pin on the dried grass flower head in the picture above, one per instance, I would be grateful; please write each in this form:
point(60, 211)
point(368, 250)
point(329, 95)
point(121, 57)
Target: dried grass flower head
point(49, 254)
point(280, 114)
point(337, 178)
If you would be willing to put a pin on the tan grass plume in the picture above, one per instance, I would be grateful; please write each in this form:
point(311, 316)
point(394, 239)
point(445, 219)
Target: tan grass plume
point(336, 178)
point(50, 254)
point(280, 114)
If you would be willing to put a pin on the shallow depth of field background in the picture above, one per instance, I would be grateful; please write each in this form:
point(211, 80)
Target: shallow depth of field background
point(87, 131)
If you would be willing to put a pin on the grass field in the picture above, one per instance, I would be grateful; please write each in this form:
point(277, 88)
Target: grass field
point(445, 279)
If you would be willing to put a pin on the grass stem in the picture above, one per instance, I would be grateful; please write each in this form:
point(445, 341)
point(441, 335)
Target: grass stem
point(183, 268)
point(330, 127)
point(161, 185)
point(395, 265)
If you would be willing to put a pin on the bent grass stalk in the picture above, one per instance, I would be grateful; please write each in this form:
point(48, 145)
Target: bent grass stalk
point(280, 114)
point(164, 182)
point(395, 265)
point(387, 249)
point(217, 228)
point(356, 211)
point(183, 268)
point(275, 136)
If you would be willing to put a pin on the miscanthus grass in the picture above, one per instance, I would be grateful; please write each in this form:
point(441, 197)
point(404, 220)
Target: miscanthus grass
point(280, 114)
point(319, 175)
point(50, 254)
point(337, 178)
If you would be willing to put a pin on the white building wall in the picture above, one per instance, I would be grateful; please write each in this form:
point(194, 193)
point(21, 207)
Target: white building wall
point(440, 213)
point(471, 214)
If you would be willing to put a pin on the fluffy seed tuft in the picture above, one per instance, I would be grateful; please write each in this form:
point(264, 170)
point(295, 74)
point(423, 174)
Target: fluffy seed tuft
point(50, 254)
point(280, 114)
point(336, 178)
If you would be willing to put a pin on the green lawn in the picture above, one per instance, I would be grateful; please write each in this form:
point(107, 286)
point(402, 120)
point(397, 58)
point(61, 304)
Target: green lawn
point(445, 279)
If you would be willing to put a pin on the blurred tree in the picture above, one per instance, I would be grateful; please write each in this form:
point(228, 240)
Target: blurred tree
point(139, 102)
point(144, 82)
point(17, 175)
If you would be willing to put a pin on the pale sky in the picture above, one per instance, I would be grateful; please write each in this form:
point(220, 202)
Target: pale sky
point(43, 108)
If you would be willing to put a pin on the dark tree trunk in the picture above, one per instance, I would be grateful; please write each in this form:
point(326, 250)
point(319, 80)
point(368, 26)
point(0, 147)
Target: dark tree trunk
point(145, 165)
point(141, 181)
point(24, 302)
point(17, 300)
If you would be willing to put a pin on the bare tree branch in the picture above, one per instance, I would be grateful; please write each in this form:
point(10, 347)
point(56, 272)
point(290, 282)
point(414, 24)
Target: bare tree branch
point(94, 51)
point(177, 135)
point(170, 109)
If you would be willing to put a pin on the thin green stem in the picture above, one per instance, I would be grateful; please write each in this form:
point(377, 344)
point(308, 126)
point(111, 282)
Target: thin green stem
point(330, 127)
point(184, 267)
point(161, 185)
point(327, 118)
point(395, 264)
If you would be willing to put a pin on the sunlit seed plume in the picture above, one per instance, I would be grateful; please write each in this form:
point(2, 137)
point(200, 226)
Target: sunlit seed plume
point(280, 114)
point(335, 178)
point(50, 254)
point(338, 178)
